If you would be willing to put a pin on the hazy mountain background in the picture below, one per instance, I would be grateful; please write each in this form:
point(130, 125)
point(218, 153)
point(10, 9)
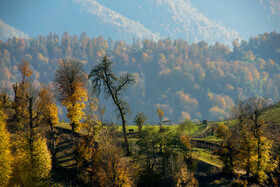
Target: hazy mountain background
point(6, 32)
point(191, 20)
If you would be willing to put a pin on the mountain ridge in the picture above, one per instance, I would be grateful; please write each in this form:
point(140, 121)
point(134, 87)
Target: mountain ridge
point(7, 32)
point(191, 20)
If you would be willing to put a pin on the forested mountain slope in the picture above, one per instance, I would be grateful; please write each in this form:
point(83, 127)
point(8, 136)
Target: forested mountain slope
point(6, 32)
point(197, 81)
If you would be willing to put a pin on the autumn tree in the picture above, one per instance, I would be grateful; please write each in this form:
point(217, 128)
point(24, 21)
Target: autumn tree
point(25, 98)
point(245, 154)
point(92, 123)
point(102, 74)
point(160, 114)
point(5, 153)
point(262, 164)
point(185, 178)
point(140, 120)
point(4, 98)
point(33, 161)
point(254, 152)
point(21, 89)
point(186, 147)
point(6, 102)
point(25, 70)
point(107, 168)
point(48, 109)
point(226, 151)
point(71, 86)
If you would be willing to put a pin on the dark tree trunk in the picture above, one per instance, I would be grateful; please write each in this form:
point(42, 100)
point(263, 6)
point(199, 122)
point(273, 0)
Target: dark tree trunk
point(128, 153)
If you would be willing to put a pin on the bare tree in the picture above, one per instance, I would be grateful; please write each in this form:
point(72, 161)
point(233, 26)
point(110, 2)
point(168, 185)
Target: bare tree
point(102, 74)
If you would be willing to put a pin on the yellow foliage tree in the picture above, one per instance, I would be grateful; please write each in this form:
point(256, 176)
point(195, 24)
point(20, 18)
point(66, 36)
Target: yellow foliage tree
point(108, 168)
point(75, 105)
point(160, 114)
point(261, 159)
point(20, 102)
point(33, 161)
point(5, 154)
point(92, 123)
point(25, 70)
point(71, 85)
point(185, 178)
point(48, 109)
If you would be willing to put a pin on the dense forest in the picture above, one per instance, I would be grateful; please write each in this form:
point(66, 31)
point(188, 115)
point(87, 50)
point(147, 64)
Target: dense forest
point(154, 81)
point(195, 81)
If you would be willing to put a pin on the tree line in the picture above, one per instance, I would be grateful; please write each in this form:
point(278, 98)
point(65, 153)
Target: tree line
point(211, 77)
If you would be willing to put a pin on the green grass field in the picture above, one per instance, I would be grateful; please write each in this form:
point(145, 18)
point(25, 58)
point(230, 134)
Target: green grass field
point(207, 156)
point(272, 114)
point(196, 128)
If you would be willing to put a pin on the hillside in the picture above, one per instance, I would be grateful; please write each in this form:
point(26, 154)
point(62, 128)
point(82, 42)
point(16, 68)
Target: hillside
point(6, 32)
point(197, 81)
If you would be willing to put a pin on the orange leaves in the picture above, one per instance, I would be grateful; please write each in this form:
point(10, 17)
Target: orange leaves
point(229, 87)
point(25, 69)
point(145, 55)
point(160, 113)
point(187, 98)
point(220, 105)
point(116, 174)
point(221, 101)
point(185, 178)
point(99, 54)
point(186, 141)
point(217, 113)
point(47, 107)
point(185, 115)
point(109, 168)
point(42, 59)
point(165, 71)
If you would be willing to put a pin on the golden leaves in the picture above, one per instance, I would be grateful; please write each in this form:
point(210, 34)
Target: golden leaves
point(25, 69)
point(160, 113)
